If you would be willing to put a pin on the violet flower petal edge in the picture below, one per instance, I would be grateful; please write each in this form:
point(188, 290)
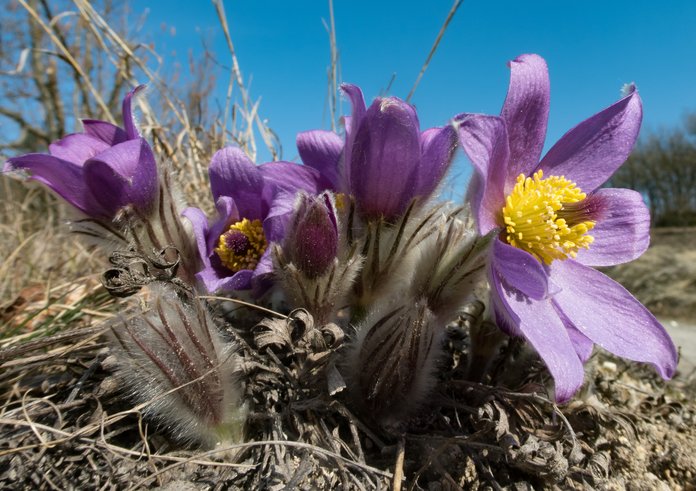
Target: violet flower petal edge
point(621, 232)
point(322, 151)
point(77, 148)
point(519, 269)
point(233, 174)
point(484, 141)
point(526, 113)
point(438, 146)
point(64, 178)
point(541, 326)
point(611, 317)
point(592, 151)
point(199, 224)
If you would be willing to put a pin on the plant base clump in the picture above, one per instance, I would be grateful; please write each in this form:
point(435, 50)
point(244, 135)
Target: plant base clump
point(65, 423)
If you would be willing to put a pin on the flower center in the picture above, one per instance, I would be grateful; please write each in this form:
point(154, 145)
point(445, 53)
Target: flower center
point(341, 201)
point(549, 218)
point(242, 245)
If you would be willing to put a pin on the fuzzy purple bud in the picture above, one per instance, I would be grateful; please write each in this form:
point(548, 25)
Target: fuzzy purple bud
point(312, 241)
point(390, 365)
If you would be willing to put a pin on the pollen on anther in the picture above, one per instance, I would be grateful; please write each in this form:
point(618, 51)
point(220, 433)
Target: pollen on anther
point(539, 201)
point(242, 245)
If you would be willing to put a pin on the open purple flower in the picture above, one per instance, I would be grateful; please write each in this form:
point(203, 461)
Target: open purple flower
point(254, 204)
point(100, 170)
point(555, 222)
point(385, 161)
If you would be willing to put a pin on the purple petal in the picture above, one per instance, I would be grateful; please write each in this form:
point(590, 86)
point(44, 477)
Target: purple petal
point(291, 178)
point(128, 119)
point(484, 140)
point(353, 122)
point(609, 315)
point(437, 152)
point(106, 132)
point(526, 113)
point(583, 345)
point(233, 174)
point(520, 270)
point(321, 150)
point(279, 215)
point(63, 177)
point(262, 279)
point(592, 151)
point(621, 233)
point(542, 327)
point(265, 264)
point(357, 102)
point(199, 223)
point(384, 159)
point(227, 215)
point(77, 148)
point(500, 315)
point(123, 174)
point(227, 210)
point(215, 282)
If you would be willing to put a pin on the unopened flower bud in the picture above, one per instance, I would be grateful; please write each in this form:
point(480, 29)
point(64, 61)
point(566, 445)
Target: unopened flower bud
point(312, 241)
point(390, 366)
point(173, 360)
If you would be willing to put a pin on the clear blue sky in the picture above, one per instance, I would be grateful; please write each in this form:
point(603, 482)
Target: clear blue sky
point(592, 48)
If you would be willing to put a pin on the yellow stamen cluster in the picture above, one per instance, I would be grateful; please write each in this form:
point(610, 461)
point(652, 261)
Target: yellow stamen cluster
point(242, 245)
point(533, 218)
point(341, 201)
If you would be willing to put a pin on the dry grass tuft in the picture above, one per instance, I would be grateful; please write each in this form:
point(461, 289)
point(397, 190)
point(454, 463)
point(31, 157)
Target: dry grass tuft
point(37, 256)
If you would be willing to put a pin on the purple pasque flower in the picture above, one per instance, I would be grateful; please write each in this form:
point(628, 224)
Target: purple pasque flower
point(100, 170)
point(254, 204)
point(556, 223)
point(385, 161)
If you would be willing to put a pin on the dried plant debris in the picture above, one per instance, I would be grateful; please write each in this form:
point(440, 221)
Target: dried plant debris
point(66, 425)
